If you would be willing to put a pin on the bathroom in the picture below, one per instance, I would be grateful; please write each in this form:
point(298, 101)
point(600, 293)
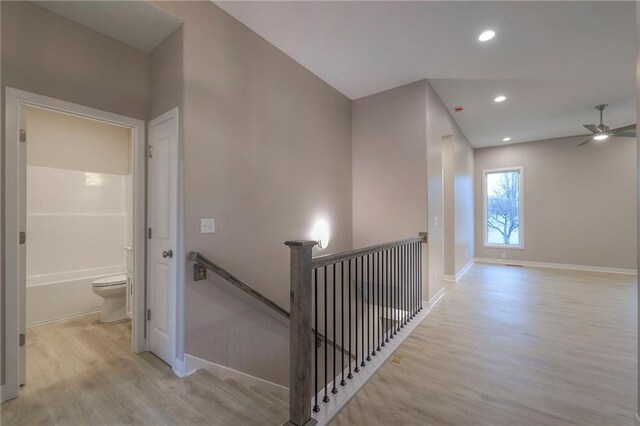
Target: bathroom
point(79, 210)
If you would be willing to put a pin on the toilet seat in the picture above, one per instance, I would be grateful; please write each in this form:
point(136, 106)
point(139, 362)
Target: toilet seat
point(109, 281)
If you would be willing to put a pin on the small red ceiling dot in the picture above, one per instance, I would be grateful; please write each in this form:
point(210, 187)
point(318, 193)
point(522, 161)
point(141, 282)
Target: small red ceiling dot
point(458, 109)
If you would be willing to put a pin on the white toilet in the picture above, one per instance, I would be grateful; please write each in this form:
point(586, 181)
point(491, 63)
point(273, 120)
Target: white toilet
point(113, 290)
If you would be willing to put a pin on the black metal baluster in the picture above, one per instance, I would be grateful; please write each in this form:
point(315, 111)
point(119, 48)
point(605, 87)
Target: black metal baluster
point(404, 286)
point(388, 291)
point(342, 382)
point(396, 313)
point(356, 369)
point(415, 279)
point(350, 375)
point(420, 276)
point(316, 407)
point(326, 341)
point(362, 364)
point(378, 316)
point(369, 274)
point(334, 390)
point(412, 275)
point(375, 265)
point(383, 319)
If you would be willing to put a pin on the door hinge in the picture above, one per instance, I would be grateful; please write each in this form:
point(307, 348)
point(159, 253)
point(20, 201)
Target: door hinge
point(22, 237)
point(23, 136)
point(149, 233)
point(150, 151)
point(148, 314)
point(21, 339)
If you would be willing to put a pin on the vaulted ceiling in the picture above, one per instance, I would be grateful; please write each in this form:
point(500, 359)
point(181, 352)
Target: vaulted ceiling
point(554, 61)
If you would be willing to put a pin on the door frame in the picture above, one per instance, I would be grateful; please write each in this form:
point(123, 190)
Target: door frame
point(176, 290)
point(14, 101)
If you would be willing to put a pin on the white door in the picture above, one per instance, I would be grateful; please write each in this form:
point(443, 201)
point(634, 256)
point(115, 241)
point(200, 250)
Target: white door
point(162, 223)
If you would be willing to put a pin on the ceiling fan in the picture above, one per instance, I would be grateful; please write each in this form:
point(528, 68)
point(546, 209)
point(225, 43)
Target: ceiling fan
point(602, 132)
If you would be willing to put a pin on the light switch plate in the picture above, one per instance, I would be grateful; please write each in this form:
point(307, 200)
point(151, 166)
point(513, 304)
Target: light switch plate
point(207, 226)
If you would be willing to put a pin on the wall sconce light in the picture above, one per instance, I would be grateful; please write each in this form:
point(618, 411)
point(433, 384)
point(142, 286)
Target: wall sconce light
point(321, 232)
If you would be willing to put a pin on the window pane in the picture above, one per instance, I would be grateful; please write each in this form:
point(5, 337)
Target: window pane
point(503, 208)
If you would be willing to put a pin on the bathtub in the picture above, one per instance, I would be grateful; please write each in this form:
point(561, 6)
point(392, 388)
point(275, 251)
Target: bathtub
point(54, 297)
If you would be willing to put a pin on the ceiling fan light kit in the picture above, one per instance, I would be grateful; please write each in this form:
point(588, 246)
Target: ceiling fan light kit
point(601, 132)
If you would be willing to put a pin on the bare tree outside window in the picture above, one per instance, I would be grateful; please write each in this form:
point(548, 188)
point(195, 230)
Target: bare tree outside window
point(503, 207)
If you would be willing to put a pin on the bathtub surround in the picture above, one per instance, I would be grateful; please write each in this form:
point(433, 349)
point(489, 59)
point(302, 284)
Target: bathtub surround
point(78, 178)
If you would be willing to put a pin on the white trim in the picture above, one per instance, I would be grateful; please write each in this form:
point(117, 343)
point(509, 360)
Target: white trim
point(63, 318)
point(637, 417)
point(339, 400)
point(14, 100)
point(460, 274)
point(527, 263)
point(436, 298)
point(193, 364)
point(2, 393)
point(520, 246)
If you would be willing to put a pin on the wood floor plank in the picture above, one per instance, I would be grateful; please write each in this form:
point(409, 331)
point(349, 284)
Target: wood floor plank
point(514, 346)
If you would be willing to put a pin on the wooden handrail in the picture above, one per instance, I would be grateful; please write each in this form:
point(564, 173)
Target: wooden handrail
point(228, 276)
point(329, 259)
point(198, 258)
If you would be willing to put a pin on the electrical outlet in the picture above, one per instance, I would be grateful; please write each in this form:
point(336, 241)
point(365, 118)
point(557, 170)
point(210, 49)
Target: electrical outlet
point(435, 221)
point(504, 255)
point(466, 254)
point(207, 226)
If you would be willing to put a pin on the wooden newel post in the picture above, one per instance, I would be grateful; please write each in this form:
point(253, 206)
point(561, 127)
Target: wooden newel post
point(301, 343)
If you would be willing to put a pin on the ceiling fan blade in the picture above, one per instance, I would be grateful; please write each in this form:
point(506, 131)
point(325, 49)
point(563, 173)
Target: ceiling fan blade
point(586, 141)
point(624, 128)
point(625, 134)
point(592, 128)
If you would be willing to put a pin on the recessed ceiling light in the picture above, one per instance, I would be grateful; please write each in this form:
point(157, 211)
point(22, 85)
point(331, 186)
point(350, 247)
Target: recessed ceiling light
point(487, 35)
point(601, 137)
point(500, 98)
point(507, 139)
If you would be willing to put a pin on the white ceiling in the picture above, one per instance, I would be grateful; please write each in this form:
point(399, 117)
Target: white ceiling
point(553, 60)
point(135, 23)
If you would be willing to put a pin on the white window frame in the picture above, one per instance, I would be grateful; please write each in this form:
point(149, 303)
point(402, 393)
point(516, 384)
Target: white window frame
point(485, 243)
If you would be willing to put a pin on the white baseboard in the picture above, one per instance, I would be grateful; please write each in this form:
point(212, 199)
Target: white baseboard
point(330, 409)
point(193, 364)
point(180, 368)
point(436, 298)
point(460, 274)
point(556, 266)
point(64, 318)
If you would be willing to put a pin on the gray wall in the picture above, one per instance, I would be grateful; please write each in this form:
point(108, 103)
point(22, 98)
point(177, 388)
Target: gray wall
point(389, 165)
point(440, 124)
point(579, 203)
point(49, 55)
point(267, 150)
point(397, 175)
point(463, 172)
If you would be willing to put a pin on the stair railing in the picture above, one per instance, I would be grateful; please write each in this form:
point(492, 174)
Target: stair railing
point(361, 299)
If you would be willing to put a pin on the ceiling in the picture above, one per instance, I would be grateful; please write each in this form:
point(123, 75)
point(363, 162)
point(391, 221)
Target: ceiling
point(135, 23)
point(553, 60)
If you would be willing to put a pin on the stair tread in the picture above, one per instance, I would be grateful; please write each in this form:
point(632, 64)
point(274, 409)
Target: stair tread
point(259, 395)
point(277, 413)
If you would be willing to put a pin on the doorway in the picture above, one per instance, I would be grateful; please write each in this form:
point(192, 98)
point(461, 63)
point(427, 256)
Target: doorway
point(71, 221)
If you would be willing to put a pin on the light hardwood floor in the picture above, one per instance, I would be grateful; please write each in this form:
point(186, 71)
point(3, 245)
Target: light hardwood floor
point(81, 372)
point(506, 346)
point(514, 346)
